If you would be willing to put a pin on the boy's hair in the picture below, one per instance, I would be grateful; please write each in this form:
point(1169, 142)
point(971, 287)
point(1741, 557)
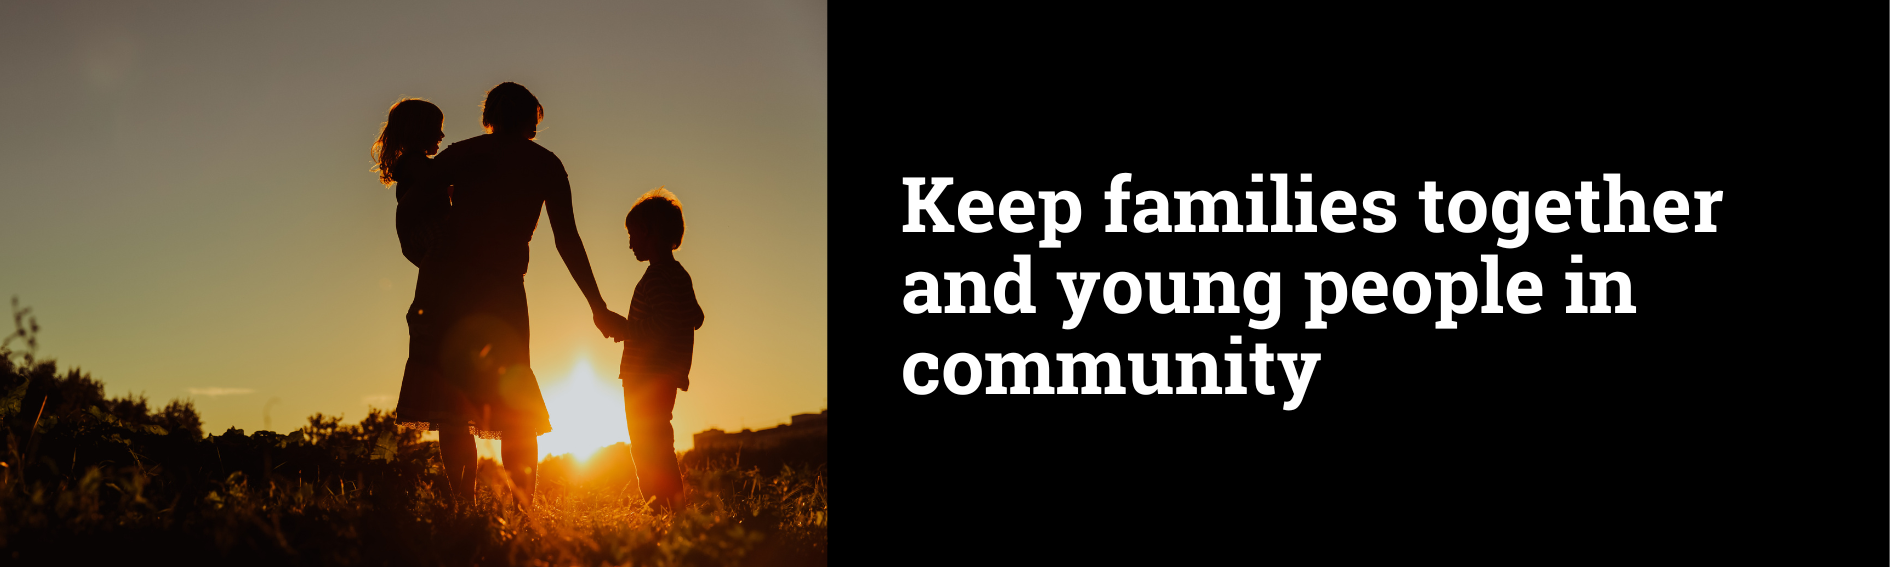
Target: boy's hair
point(411, 124)
point(658, 215)
point(511, 107)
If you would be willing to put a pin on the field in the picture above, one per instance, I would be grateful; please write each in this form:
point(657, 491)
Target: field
point(93, 479)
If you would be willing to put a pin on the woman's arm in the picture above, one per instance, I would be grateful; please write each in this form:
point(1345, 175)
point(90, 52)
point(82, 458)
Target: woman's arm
point(571, 248)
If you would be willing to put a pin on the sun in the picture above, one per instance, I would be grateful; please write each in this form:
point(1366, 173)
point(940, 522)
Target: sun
point(586, 413)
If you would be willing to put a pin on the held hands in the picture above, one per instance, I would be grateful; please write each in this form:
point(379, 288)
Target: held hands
point(611, 324)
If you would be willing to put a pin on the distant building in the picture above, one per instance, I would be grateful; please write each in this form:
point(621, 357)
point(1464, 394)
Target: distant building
point(803, 425)
point(809, 420)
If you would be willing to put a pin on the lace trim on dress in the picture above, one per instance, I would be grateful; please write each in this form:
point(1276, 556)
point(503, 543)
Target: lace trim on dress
point(425, 426)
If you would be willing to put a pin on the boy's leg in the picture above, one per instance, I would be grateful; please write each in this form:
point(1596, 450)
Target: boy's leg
point(648, 409)
point(460, 456)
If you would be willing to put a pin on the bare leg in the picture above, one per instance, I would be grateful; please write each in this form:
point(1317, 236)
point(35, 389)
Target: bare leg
point(460, 457)
point(520, 453)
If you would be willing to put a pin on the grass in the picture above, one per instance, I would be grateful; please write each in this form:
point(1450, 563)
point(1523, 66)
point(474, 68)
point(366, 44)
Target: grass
point(91, 479)
point(735, 517)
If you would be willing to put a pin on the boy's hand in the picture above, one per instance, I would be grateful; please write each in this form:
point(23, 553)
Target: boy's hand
point(611, 324)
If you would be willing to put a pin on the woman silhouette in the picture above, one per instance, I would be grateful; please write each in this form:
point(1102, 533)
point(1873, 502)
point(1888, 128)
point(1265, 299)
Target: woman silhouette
point(469, 365)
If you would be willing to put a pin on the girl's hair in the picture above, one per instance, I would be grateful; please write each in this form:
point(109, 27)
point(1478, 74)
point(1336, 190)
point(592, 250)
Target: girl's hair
point(509, 107)
point(658, 215)
point(411, 126)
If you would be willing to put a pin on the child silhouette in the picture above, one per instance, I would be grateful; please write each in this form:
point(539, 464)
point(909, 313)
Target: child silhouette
point(413, 131)
point(659, 342)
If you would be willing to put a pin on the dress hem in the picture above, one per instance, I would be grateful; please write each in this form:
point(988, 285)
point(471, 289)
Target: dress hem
point(425, 426)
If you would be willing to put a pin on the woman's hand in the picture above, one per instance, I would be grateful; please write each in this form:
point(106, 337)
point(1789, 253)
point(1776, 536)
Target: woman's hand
point(611, 324)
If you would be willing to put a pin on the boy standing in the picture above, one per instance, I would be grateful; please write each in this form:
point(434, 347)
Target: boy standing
point(659, 341)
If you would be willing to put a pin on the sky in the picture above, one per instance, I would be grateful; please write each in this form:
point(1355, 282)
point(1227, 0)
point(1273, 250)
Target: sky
point(187, 207)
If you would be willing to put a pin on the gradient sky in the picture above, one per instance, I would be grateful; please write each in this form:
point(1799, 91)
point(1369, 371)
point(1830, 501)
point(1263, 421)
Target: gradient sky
point(185, 200)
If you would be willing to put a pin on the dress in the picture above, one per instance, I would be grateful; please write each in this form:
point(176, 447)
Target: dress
point(424, 204)
point(469, 358)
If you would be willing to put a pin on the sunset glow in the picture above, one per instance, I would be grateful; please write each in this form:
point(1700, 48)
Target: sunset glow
point(586, 412)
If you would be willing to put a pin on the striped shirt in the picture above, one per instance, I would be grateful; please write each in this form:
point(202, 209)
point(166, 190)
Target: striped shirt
point(663, 318)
